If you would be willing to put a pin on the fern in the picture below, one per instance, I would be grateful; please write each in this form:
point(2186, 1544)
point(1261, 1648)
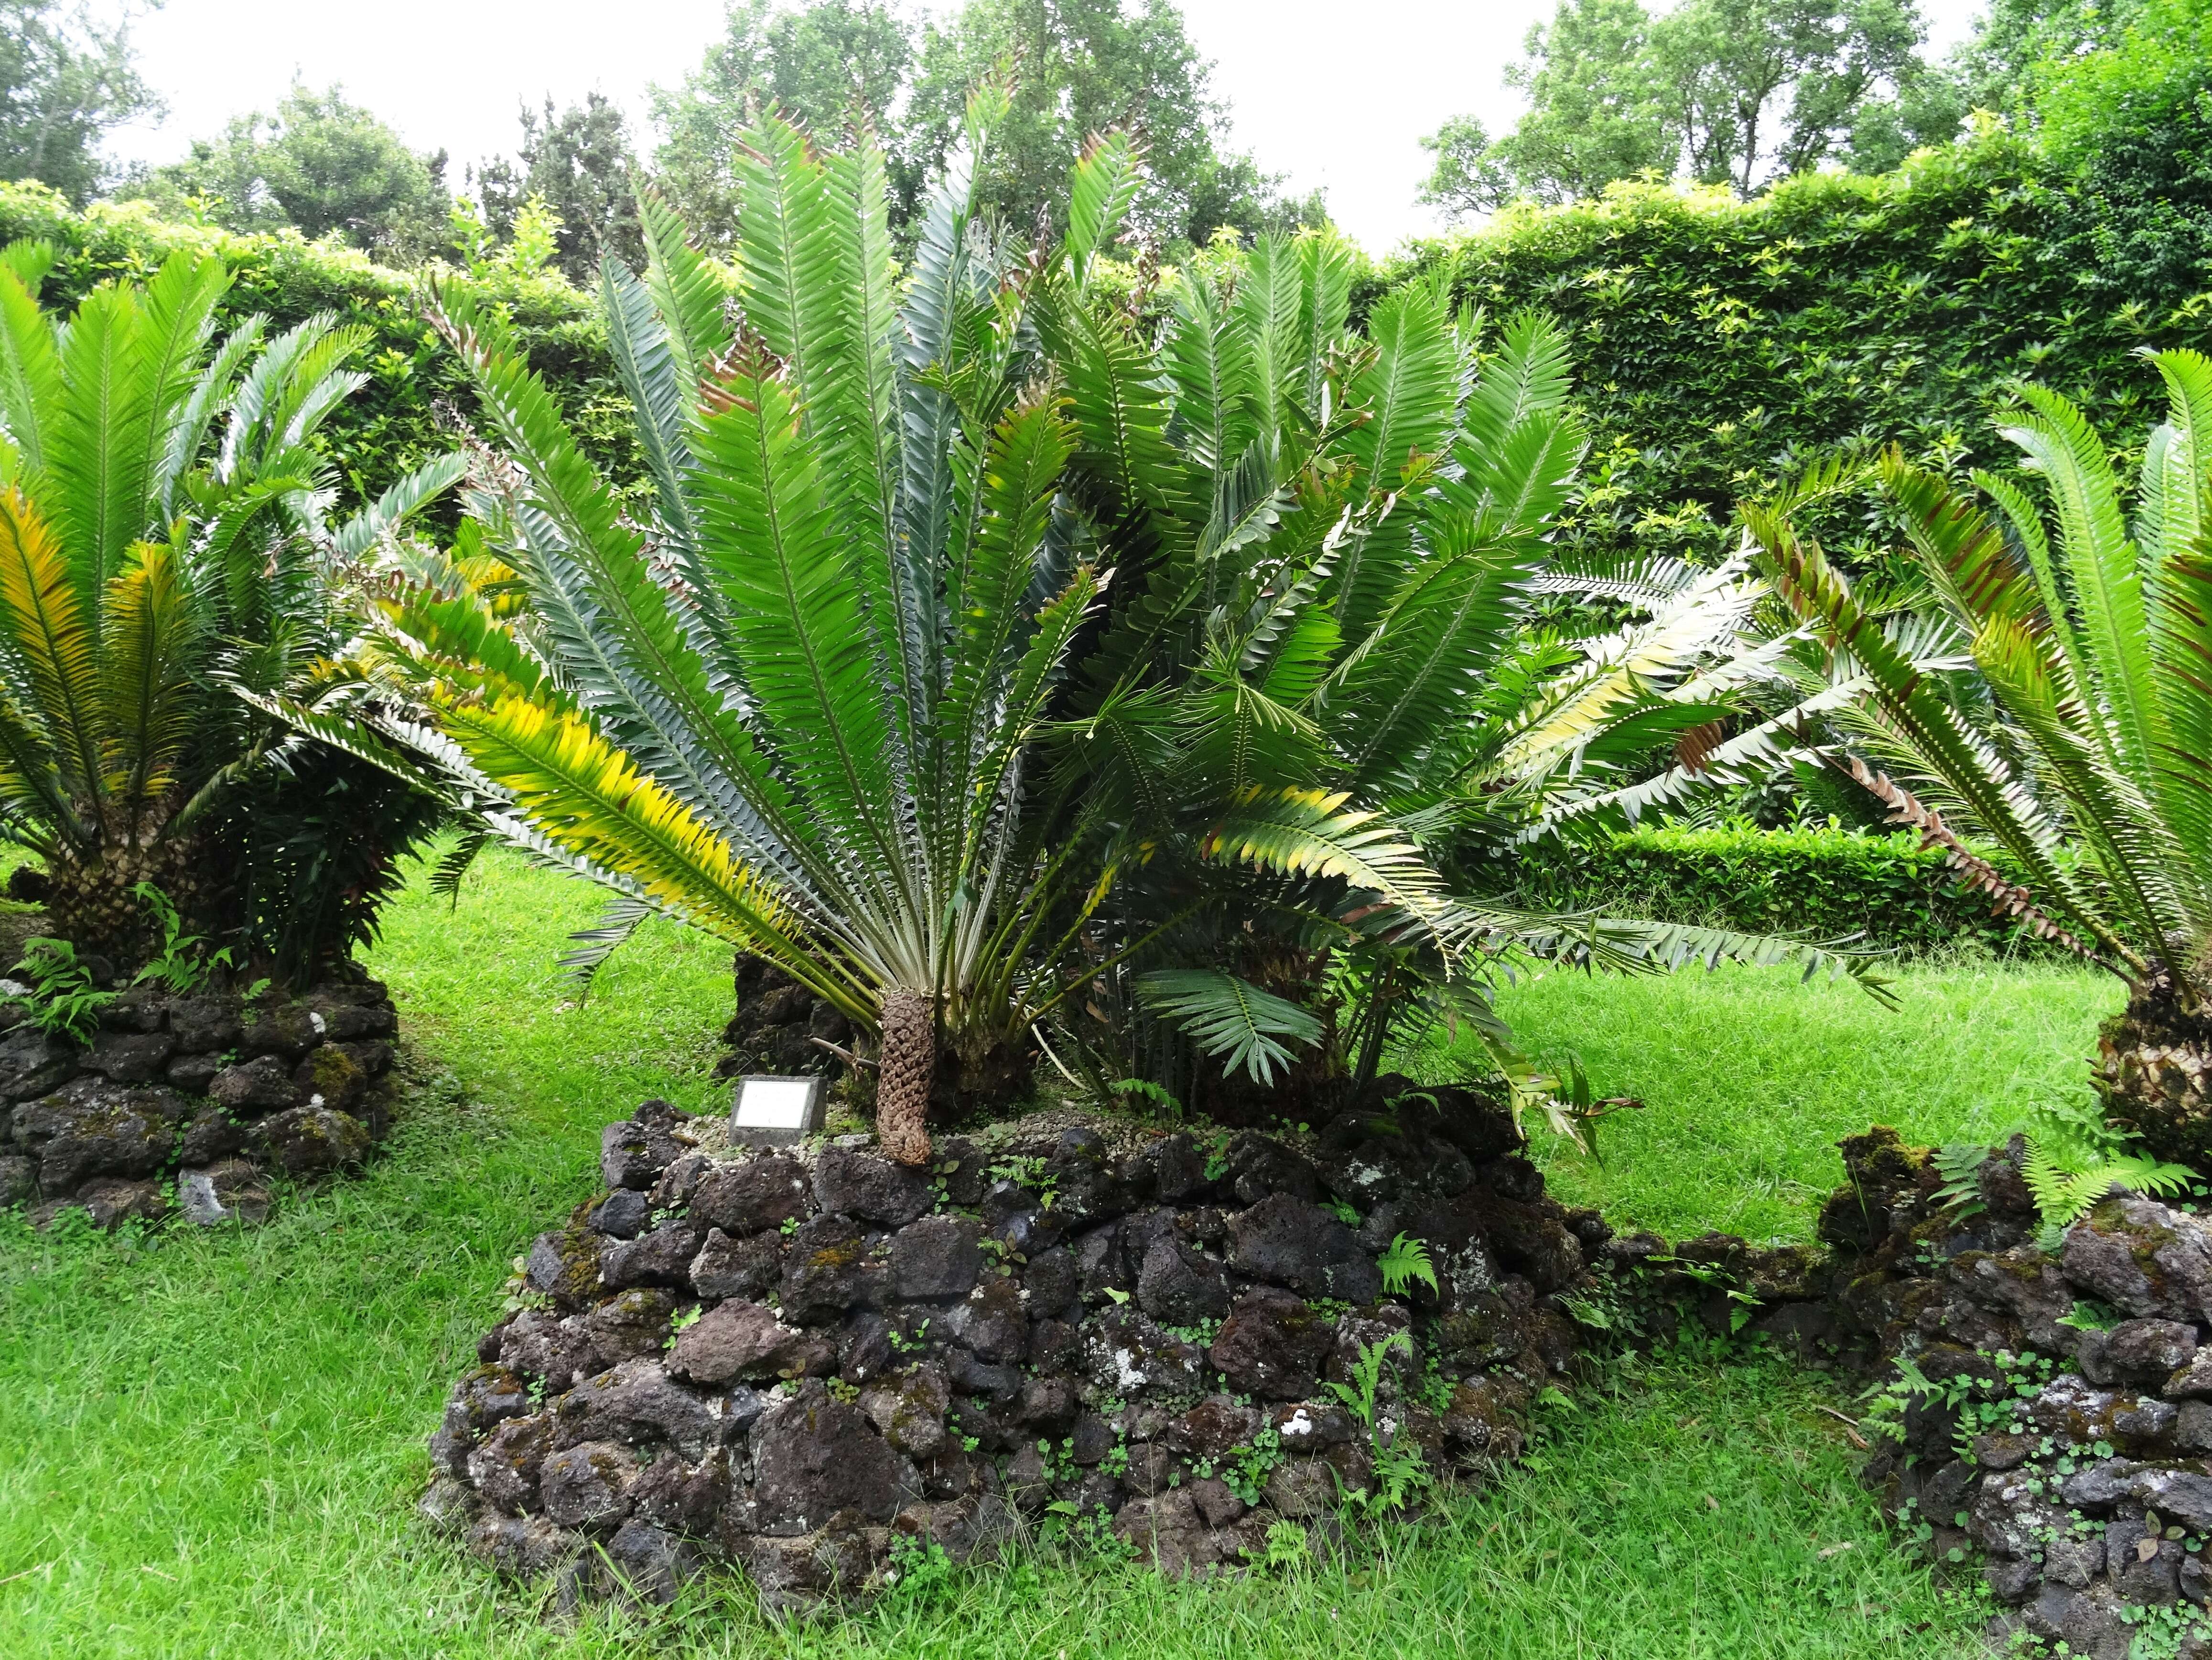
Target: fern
point(1405, 1261)
point(2066, 1183)
point(1960, 1165)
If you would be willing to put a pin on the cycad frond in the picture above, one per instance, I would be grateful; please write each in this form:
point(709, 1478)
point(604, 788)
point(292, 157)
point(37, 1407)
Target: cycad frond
point(1229, 1019)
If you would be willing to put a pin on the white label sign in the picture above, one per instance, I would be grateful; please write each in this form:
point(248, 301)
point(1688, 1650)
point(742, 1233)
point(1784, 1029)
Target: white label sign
point(776, 1103)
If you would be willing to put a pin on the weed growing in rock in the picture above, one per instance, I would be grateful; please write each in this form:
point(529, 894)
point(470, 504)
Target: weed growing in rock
point(1404, 1262)
point(183, 963)
point(64, 1001)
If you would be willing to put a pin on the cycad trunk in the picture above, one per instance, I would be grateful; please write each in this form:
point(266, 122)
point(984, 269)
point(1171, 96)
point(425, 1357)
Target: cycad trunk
point(90, 903)
point(907, 1065)
point(2154, 1071)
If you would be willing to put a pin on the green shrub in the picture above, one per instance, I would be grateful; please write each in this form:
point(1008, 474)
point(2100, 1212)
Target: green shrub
point(417, 388)
point(1719, 342)
point(1827, 883)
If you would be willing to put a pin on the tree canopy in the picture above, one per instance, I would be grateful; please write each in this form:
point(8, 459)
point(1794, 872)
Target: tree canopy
point(65, 83)
point(320, 162)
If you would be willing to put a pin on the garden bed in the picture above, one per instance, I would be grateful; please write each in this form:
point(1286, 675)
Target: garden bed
point(826, 1368)
point(189, 1101)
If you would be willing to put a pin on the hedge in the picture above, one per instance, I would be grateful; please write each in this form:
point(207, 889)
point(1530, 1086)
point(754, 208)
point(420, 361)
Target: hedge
point(416, 399)
point(1826, 883)
point(1719, 345)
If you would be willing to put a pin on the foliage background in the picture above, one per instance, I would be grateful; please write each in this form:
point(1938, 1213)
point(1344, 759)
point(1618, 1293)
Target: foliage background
point(1719, 345)
point(1825, 881)
point(417, 402)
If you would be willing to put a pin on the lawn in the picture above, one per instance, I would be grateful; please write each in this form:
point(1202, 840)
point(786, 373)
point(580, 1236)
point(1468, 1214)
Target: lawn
point(1749, 1076)
point(214, 1441)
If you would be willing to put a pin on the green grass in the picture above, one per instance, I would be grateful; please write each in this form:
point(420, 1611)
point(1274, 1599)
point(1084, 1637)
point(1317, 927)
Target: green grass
point(1749, 1076)
point(210, 1445)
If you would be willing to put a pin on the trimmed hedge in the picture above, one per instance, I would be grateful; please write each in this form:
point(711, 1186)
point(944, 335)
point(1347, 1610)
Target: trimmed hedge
point(416, 394)
point(1718, 344)
point(1823, 883)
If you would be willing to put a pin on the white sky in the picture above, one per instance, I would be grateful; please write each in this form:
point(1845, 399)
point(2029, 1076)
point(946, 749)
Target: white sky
point(1335, 93)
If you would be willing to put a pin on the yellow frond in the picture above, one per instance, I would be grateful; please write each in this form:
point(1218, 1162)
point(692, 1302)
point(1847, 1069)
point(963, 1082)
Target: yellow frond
point(45, 625)
point(585, 794)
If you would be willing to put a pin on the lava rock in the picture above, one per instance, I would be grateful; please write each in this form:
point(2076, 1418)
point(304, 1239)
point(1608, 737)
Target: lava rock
point(1295, 1243)
point(637, 1404)
point(818, 1457)
point(662, 1257)
point(683, 1498)
point(742, 1342)
point(128, 1057)
point(588, 1487)
point(1180, 1287)
point(631, 1322)
point(256, 1087)
point(991, 1322)
point(1126, 1354)
point(231, 1190)
point(753, 1196)
point(31, 1064)
point(827, 1271)
point(1259, 1166)
point(90, 1127)
point(748, 1268)
point(504, 1470)
point(283, 1031)
point(212, 1134)
point(910, 1410)
point(111, 1201)
point(622, 1214)
point(305, 1141)
point(872, 1189)
point(559, 1352)
point(564, 1266)
point(204, 1023)
point(329, 1073)
point(1272, 1345)
point(2144, 1257)
point(633, 1151)
point(936, 1257)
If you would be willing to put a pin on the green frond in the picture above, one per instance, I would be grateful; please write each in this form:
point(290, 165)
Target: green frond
point(1229, 1019)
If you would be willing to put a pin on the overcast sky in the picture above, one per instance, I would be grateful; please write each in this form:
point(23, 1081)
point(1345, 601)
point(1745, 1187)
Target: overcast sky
point(1335, 93)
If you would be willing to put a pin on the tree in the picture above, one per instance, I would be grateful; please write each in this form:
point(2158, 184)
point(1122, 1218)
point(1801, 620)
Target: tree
point(578, 164)
point(1594, 116)
point(825, 63)
point(65, 82)
point(1080, 68)
point(1733, 92)
point(1759, 89)
point(322, 164)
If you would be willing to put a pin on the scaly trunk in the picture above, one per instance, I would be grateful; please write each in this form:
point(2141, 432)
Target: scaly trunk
point(2154, 1071)
point(906, 1067)
point(89, 902)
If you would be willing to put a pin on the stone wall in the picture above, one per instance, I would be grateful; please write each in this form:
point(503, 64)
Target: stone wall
point(188, 1102)
point(794, 1362)
point(2047, 1416)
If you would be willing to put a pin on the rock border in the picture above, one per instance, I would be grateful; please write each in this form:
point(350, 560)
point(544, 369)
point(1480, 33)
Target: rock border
point(184, 1103)
point(810, 1366)
point(2043, 1417)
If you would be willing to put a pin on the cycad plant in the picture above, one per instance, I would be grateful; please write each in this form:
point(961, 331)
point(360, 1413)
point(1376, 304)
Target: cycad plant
point(162, 541)
point(2094, 634)
point(1324, 659)
point(791, 701)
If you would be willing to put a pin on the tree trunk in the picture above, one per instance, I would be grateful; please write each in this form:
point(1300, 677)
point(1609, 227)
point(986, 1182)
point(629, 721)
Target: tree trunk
point(90, 903)
point(906, 1068)
point(2154, 1071)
